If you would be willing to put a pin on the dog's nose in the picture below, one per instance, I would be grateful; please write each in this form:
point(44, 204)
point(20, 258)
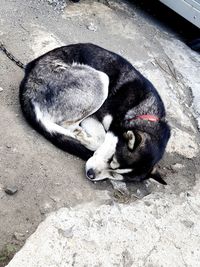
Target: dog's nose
point(90, 174)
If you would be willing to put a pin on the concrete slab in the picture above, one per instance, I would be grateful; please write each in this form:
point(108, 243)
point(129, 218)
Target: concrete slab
point(161, 230)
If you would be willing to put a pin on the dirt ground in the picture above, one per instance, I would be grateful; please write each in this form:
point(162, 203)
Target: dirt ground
point(47, 178)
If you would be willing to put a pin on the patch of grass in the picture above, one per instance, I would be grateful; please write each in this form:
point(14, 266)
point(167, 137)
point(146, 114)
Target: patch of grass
point(7, 253)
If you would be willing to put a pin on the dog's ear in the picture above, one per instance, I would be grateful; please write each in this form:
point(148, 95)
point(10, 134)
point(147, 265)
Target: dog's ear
point(157, 177)
point(130, 137)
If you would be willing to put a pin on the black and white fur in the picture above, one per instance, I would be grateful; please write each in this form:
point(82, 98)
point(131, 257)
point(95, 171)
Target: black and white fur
point(81, 97)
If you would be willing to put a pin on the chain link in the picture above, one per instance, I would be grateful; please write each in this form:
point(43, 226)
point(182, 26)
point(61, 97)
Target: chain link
point(11, 57)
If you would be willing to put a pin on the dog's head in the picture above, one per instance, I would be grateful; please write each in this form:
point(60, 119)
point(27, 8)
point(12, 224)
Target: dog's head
point(128, 157)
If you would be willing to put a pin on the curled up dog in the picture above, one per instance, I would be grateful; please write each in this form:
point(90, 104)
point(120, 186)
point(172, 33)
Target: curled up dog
point(94, 104)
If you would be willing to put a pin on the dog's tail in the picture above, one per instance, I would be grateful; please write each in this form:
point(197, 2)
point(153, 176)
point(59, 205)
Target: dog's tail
point(56, 134)
point(67, 144)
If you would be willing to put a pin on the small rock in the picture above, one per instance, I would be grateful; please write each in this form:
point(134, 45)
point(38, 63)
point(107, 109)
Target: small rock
point(45, 208)
point(141, 192)
point(147, 203)
point(19, 236)
point(2, 194)
point(182, 195)
point(138, 191)
point(120, 197)
point(188, 223)
point(120, 186)
point(58, 184)
point(147, 183)
point(8, 146)
point(1, 89)
point(177, 166)
point(92, 27)
point(11, 190)
point(68, 233)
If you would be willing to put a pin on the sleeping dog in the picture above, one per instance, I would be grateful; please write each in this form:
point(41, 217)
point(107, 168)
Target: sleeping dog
point(94, 104)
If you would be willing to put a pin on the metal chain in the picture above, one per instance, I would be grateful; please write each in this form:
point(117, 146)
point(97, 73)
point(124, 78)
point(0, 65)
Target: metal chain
point(11, 57)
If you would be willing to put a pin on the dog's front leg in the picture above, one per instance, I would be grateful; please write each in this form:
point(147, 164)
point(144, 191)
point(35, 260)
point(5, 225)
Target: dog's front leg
point(91, 133)
point(89, 141)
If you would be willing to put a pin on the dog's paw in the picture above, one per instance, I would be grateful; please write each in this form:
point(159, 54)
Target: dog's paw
point(93, 143)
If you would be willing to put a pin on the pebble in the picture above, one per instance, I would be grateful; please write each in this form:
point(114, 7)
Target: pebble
point(19, 236)
point(177, 166)
point(147, 183)
point(45, 208)
point(142, 192)
point(188, 223)
point(1, 89)
point(68, 233)
point(147, 203)
point(11, 190)
point(58, 5)
point(92, 27)
point(1, 191)
point(182, 194)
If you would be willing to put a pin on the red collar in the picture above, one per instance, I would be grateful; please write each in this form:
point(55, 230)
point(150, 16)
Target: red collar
point(146, 117)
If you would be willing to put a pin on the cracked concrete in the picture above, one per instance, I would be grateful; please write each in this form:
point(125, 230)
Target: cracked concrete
point(112, 234)
point(158, 226)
